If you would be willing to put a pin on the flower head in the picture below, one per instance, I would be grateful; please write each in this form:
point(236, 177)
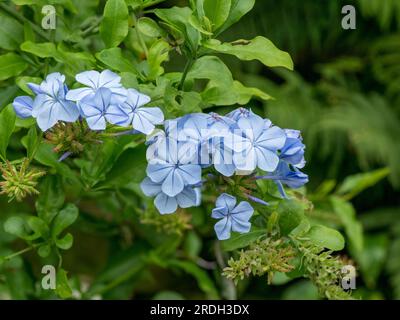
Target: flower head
point(99, 108)
point(50, 105)
point(143, 119)
point(259, 145)
point(233, 218)
point(94, 80)
point(188, 197)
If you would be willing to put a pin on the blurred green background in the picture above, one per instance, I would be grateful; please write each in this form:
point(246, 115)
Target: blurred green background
point(344, 96)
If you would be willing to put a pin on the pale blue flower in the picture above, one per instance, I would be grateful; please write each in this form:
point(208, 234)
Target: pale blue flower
point(23, 106)
point(284, 175)
point(143, 119)
point(95, 80)
point(188, 197)
point(293, 150)
point(50, 104)
point(98, 108)
point(259, 145)
point(173, 167)
point(233, 218)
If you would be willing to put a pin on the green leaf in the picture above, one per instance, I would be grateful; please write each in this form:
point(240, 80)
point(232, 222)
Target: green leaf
point(51, 197)
point(32, 142)
point(63, 289)
point(44, 250)
point(11, 33)
point(237, 10)
point(11, 65)
point(355, 184)
point(115, 24)
point(38, 226)
point(244, 94)
point(41, 50)
point(64, 219)
point(23, 81)
point(373, 258)
point(192, 244)
point(259, 48)
point(17, 227)
point(291, 214)
point(129, 167)
point(150, 28)
point(203, 280)
point(217, 11)
point(66, 242)
point(325, 237)
point(237, 241)
point(7, 125)
point(353, 228)
point(114, 59)
point(158, 53)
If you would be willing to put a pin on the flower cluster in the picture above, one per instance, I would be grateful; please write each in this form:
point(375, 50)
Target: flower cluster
point(102, 100)
point(240, 143)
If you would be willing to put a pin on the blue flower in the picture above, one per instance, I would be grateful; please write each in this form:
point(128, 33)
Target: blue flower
point(293, 150)
point(259, 144)
point(235, 218)
point(142, 119)
point(284, 175)
point(23, 106)
point(98, 108)
point(95, 80)
point(188, 197)
point(50, 104)
point(173, 167)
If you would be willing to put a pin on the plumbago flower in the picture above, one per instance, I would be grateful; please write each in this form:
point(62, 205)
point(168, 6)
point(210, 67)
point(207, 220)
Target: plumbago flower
point(240, 143)
point(103, 100)
point(50, 104)
point(235, 218)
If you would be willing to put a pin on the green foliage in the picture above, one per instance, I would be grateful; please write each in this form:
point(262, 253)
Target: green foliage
point(344, 97)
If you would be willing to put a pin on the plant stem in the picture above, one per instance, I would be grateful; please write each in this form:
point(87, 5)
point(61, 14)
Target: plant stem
point(22, 19)
point(188, 66)
point(15, 254)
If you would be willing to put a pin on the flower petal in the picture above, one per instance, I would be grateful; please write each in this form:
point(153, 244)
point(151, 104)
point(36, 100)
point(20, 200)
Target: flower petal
point(226, 200)
point(158, 172)
point(173, 183)
point(223, 228)
point(150, 188)
point(187, 198)
point(23, 106)
point(242, 212)
point(165, 204)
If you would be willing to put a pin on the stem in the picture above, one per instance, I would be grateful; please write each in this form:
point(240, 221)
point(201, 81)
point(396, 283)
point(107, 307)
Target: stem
point(15, 254)
point(22, 19)
point(188, 66)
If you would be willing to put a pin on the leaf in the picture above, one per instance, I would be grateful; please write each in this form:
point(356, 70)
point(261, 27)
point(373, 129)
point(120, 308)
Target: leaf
point(237, 10)
point(23, 81)
point(192, 244)
point(217, 11)
point(11, 65)
point(11, 33)
point(32, 142)
point(291, 214)
point(326, 237)
point(203, 280)
point(63, 289)
point(7, 125)
point(259, 48)
point(115, 25)
point(158, 53)
point(353, 228)
point(149, 27)
point(129, 167)
point(238, 241)
point(114, 59)
point(64, 219)
point(38, 226)
point(44, 250)
point(66, 242)
point(373, 258)
point(244, 94)
point(51, 197)
point(355, 184)
point(17, 227)
point(41, 50)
